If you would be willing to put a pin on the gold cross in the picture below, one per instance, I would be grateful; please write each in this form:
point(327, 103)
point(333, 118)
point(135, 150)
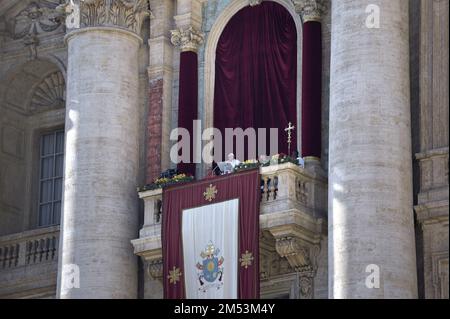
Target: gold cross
point(289, 130)
point(246, 259)
point(210, 193)
point(174, 275)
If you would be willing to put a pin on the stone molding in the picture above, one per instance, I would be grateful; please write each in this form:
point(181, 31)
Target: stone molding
point(310, 10)
point(187, 39)
point(440, 274)
point(254, 3)
point(125, 14)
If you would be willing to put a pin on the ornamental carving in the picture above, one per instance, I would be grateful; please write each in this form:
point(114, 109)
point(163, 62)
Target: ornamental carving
point(302, 256)
point(49, 94)
point(38, 17)
point(127, 14)
point(271, 263)
point(155, 269)
point(187, 40)
point(310, 10)
point(306, 285)
point(297, 254)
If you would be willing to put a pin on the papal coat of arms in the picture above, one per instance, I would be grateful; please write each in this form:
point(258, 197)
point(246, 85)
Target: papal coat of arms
point(210, 273)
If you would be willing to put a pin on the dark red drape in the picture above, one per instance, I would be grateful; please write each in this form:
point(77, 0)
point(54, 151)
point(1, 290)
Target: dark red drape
point(188, 101)
point(246, 187)
point(311, 89)
point(256, 72)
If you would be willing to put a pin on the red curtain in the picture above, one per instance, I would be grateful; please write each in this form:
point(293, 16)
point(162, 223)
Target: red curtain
point(246, 187)
point(256, 72)
point(187, 102)
point(312, 89)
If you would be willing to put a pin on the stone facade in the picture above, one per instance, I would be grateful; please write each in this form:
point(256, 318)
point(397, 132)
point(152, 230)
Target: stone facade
point(379, 194)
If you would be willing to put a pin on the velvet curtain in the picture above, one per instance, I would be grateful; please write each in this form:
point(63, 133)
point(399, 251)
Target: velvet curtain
point(188, 103)
point(312, 89)
point(246, 187)
point(256, 72)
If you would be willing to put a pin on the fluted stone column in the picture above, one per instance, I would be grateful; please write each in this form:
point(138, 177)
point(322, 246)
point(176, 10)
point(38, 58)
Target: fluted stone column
point(100, 203)
point(370, 183)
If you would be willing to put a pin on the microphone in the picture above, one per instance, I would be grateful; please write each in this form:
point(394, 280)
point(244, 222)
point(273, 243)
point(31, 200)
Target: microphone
point(214, 170)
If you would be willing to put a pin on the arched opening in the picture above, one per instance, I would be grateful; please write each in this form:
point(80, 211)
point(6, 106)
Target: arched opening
point(256, 77)
point(207, 107)
point(32, 105)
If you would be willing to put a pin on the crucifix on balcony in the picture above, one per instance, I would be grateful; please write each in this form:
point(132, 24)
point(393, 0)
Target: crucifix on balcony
point(289, 130)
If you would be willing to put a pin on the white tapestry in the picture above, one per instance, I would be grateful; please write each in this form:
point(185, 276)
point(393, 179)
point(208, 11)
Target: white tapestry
point(210, 250)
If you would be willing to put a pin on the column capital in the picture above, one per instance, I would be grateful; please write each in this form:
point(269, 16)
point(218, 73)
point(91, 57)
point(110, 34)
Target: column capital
point(187, 39)
point(310, 10)
point(125, 14)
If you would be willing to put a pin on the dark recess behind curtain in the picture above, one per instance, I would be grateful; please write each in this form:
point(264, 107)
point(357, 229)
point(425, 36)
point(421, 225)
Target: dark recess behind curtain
point(256, 72)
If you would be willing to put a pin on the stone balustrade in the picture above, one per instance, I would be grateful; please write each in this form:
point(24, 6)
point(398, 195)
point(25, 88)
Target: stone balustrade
point(28, 260)
point(29, 247)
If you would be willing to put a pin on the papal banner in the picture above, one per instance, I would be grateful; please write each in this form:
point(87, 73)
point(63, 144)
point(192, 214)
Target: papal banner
point(210, 238)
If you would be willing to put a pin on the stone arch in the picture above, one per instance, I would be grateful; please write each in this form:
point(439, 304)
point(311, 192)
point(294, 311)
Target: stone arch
point(32, 102)
point(20, 87)
point(210, 57)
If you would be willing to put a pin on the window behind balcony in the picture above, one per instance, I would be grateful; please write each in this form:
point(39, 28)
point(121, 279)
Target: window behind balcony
point(50, 177)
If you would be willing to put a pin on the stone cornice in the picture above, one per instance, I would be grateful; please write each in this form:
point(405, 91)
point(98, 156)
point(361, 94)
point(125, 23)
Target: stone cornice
point(433, 212)
point(187, 40)
point(310, 10)
point(125, 14)
point(439, 152)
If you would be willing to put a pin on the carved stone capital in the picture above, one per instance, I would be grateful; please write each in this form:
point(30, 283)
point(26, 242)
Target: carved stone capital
point(300, 255)
point(125, 14)
point(187, 40)
point(310, 10)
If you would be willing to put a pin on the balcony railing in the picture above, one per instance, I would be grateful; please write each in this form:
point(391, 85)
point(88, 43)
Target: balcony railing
point(29, 247)
point(293, 211)
point(29, 263)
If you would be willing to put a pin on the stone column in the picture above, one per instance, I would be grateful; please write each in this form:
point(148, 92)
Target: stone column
point(370, 182)
point(188, 40)
point(311, 12)
point(100, 203)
